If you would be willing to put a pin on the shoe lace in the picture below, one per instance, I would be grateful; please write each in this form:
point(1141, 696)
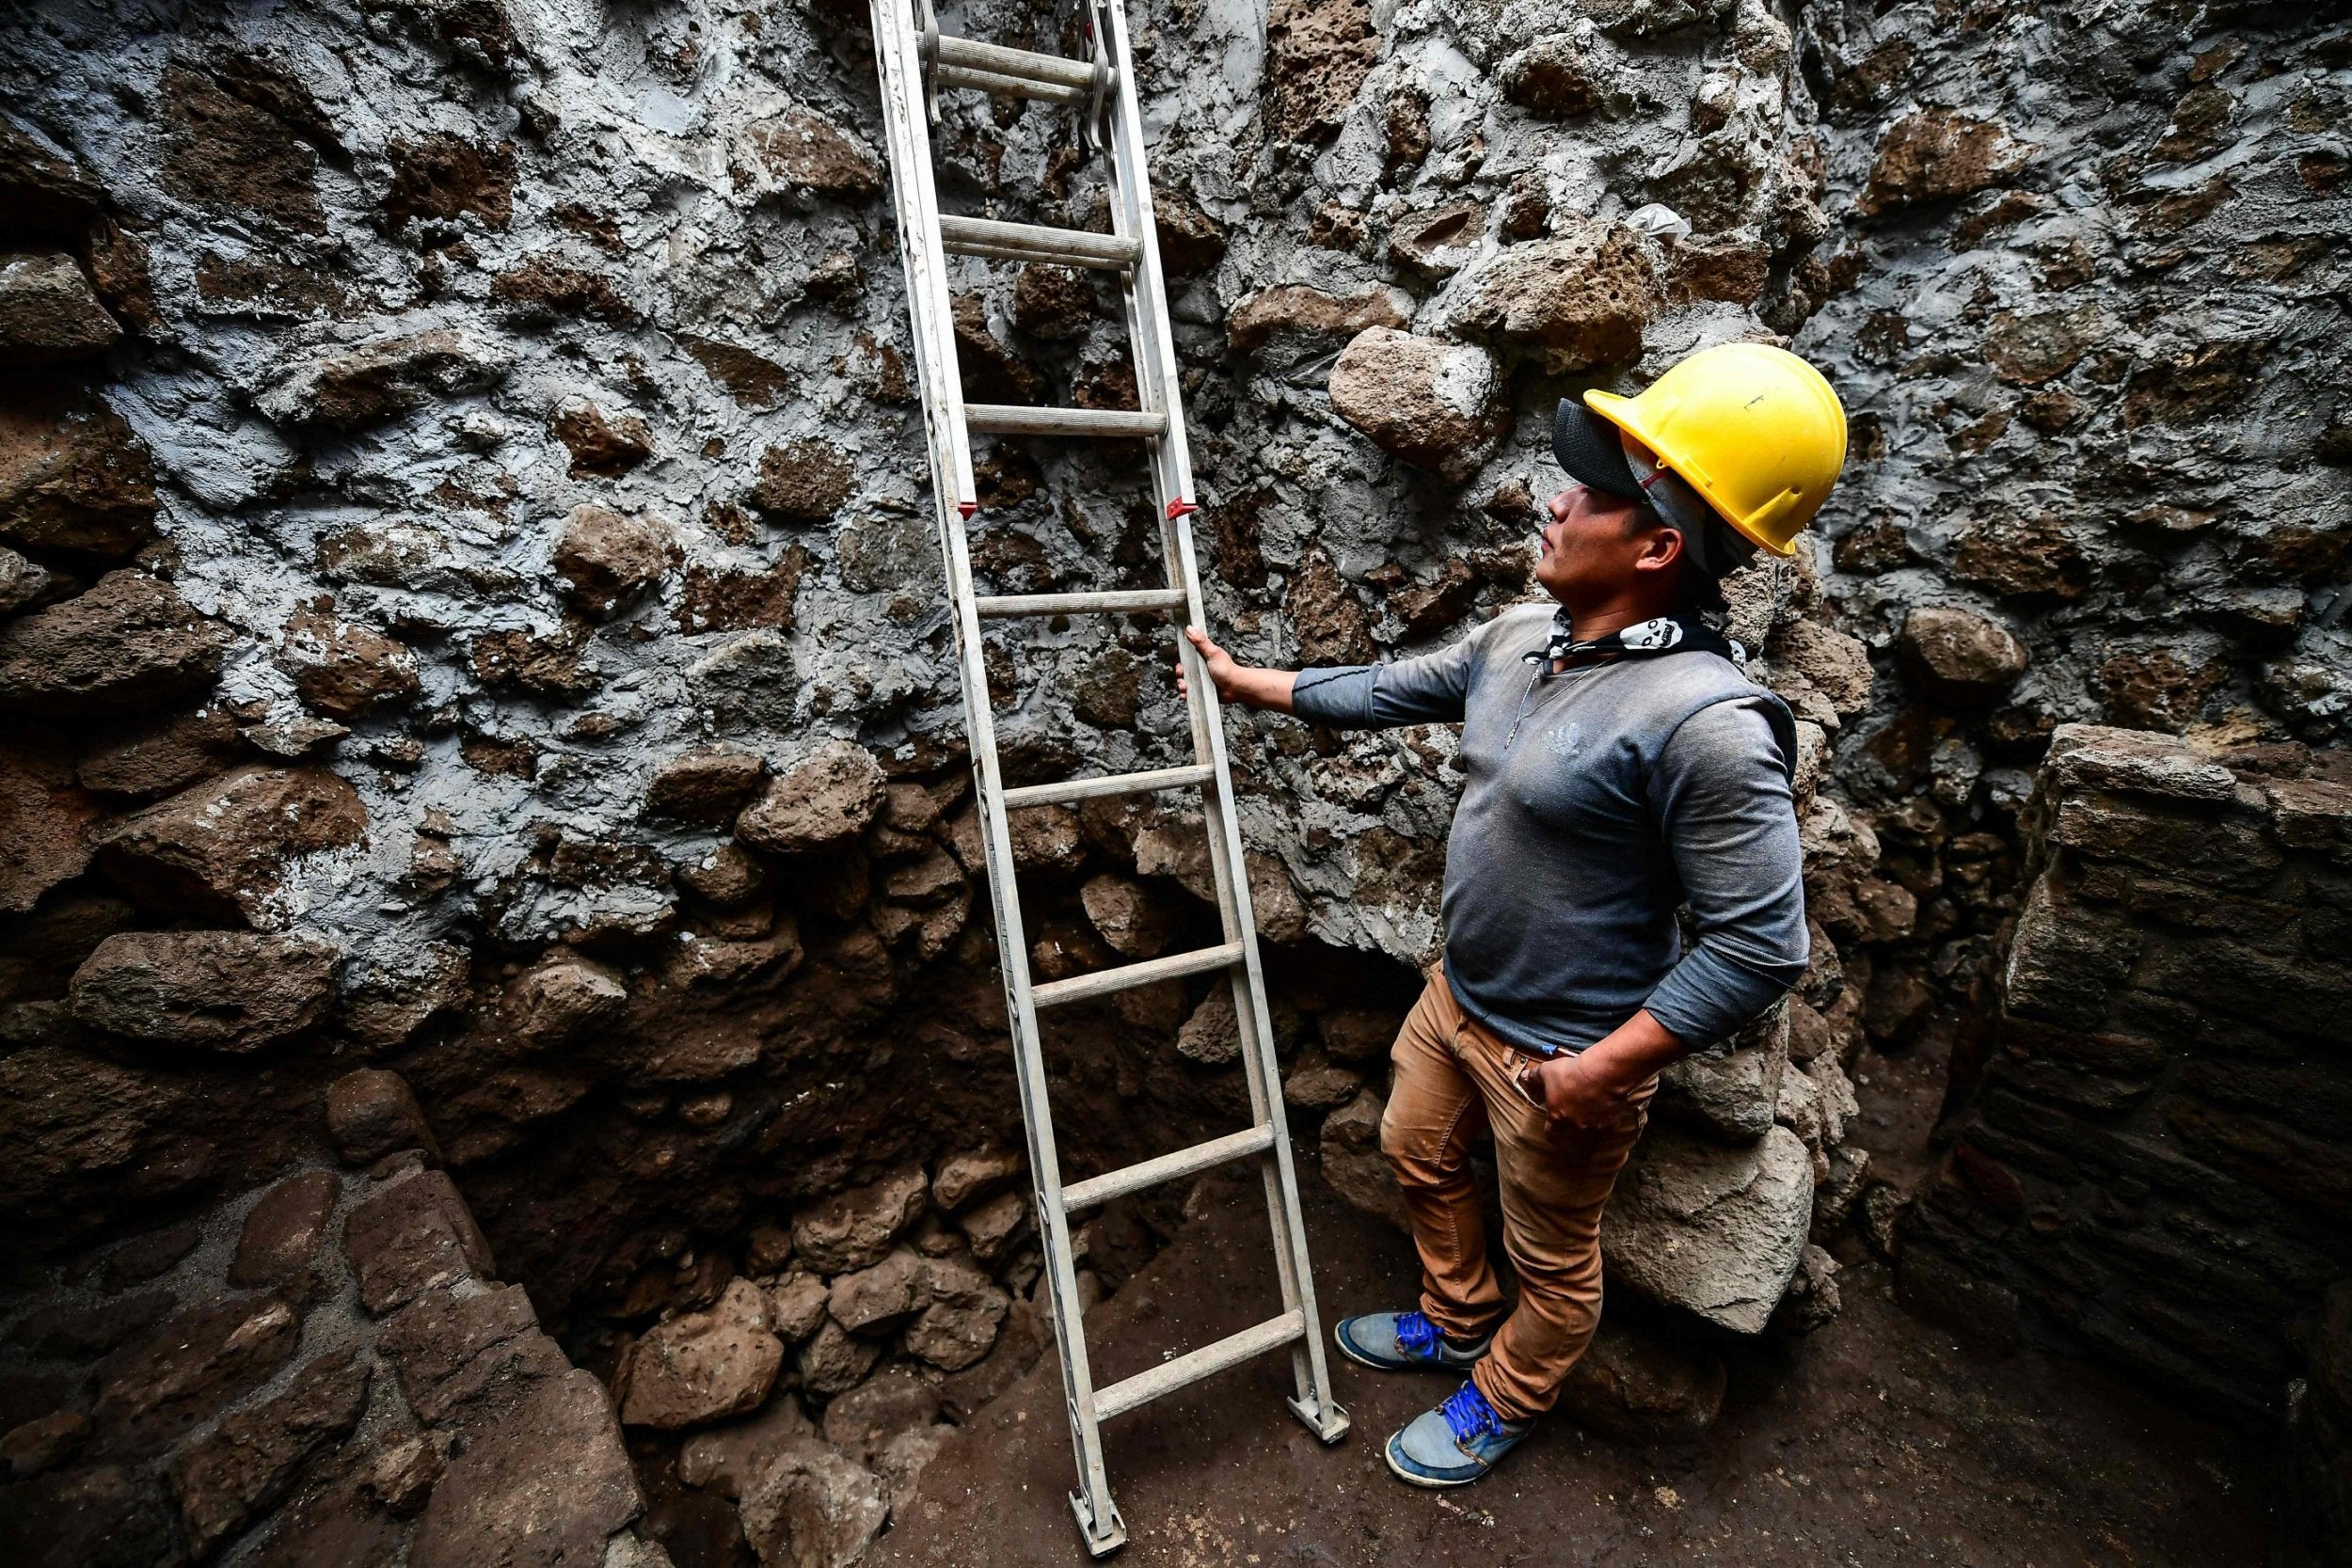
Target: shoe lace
point(1467, 1414)
point(1416, 1333)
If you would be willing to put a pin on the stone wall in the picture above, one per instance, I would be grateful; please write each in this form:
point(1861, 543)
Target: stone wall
point(2151, 1156)
point(2082, 299)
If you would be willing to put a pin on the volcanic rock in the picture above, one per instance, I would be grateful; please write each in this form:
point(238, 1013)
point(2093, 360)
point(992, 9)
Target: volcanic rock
point(854, 1230)
point(130, 642)
point(222, 849)
point(1714, 1230)
point(218, 991)
point(1574, 302)
point(74, 477)
point(826, 799)
point(48, 313)
point(607, 560)
point(1432, 404)
point(348, 388)
point(283, 1230)
point(372, 1112)
point(703, 1367)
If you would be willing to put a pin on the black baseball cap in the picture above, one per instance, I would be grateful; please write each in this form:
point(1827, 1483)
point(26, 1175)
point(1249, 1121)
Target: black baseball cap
point(1587, 445)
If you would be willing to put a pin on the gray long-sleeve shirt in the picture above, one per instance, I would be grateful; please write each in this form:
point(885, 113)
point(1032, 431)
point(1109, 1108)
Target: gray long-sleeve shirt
point(1597, 800)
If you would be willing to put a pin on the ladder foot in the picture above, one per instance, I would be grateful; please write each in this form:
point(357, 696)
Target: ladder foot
point(1102, 1536)
point(1328, 1421)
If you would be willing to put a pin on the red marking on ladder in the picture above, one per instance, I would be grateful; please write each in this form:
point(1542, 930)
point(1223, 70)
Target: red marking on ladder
point(1178, 507)
point(968, 508)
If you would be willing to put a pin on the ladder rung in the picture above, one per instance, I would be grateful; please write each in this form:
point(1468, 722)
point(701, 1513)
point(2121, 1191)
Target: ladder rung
point(1166, 1167)
point(1082, 604)
point(1027, 242)
point(1127, 977)
point(1013, 87)
point(997, 61)
point(1009, 419)
point(1110, 784)
point(1169, 1376)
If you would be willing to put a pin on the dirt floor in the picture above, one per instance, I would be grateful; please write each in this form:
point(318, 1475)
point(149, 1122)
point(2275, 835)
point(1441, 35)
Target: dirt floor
point(1875, 1441)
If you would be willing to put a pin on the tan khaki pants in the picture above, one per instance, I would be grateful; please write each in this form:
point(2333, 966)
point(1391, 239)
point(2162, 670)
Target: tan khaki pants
point(1453, 1085)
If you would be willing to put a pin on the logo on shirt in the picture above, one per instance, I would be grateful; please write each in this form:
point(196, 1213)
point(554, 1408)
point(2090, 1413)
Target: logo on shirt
point(1564, 739)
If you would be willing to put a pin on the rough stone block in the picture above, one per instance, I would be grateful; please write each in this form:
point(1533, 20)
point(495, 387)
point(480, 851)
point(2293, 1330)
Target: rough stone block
point(1353, 1163)
point(221, 849)
point(411, 1236)
point(2135, 762)
point(1639, 1386)
point(129, 642)
point(825, 801)
point(448, 1350)
point(283, 1230)
point(2064, 961)
point(1430, 403)
point(372, 1112)
point(193, 1367)
point(501, 1502)
point(48, 312)
point(854, 1230)
point(1714, 1230)
point(219, 990)
point(1574, 302)
point(249, 1462)
point(963, 1177)
point(703, 1367)
point(2221, 852)
point(812, 1507)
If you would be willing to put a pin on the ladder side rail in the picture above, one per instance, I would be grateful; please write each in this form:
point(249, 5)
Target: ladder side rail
point(905, 119)
point(929, 310)
point(1157, 375)
point(1133, 217)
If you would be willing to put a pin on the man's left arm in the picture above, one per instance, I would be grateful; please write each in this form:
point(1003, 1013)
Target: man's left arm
point(1723, 803)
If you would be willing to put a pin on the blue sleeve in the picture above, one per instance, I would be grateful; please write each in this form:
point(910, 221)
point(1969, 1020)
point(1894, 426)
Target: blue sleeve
point(1719, 792)
point(1431, 689)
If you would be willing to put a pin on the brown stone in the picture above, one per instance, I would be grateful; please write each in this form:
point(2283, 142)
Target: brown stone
point(73, 476)
point(964, 1178)
point(540, 292)
point(726, 878)
point(345, 669)
point(801, 151)
point(707, 786)
point(543, 666)
point(1551, 78)
point(1959, 658)
point(703, 1367)
point(218, 991)
point(283, 1230)
point(812, 1507)
point(146, 757)
point(192, 1366)
point(1052, 303)
point(220, 851)
point(2156, 689)
point(556, 1002)
point(861, 1421)
point(796, 1307)
point(1431, 403)
point(73, 1121)
point(1936, 155)
point(130, 642)
point(854, 1230)
point(993, 371)
point(825, 801)
point(727, 1458)
point(253, 1457)
point(1135, 922)
point(733, 601)
point(1578, 301)
point(450, 1351)
point(2029, 349)
point(42, 1443)
point(752, 379)
point(221, 150)
point(605, 560)
point(1190, 241)
point(832, 1360)
point(1297, 320)
point(372, 1112)
point(24, 584)
point(602, 448)
point(879, 1296)
point(801, 482)
point(1327, 618)
point(1318, 52)
point(44, 821)
point(501, 1502)
point(2023, 558)
point(1353, 1163)
point(48, 313)
point(411, 1236)
point(446, 178)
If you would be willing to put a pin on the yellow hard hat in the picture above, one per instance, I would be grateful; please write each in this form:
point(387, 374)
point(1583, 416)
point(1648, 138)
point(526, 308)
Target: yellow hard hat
point(1753, 429)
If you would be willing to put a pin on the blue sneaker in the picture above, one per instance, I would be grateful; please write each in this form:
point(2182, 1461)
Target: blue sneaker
point(1454, 1443)
point(1406, 1342)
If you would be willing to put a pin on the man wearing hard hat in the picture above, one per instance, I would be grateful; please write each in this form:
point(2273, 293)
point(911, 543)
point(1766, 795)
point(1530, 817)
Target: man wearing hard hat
point(1619, 765)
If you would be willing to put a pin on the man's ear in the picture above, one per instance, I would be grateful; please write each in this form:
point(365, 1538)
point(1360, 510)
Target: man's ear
point(1661, 551)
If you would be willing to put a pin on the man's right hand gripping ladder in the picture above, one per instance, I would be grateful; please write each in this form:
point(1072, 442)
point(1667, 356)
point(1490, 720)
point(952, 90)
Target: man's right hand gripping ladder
point(916, 63)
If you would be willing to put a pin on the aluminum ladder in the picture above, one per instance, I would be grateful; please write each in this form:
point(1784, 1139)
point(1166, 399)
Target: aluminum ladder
point(916, 62)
